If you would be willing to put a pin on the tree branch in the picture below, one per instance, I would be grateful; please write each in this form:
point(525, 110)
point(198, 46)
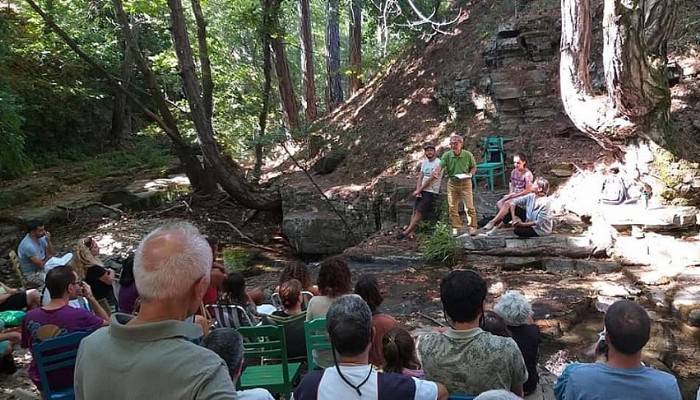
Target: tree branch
point(205, 64)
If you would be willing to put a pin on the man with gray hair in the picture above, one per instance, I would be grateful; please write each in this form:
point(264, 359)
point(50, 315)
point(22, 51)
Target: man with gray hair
point(349, 325)
point(152, 355)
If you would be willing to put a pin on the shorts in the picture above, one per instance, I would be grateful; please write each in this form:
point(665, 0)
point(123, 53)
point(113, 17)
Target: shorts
point(16, 302)
point(424, 203)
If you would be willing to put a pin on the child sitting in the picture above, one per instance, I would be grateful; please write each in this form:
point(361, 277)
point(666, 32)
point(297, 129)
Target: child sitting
point(400, 354)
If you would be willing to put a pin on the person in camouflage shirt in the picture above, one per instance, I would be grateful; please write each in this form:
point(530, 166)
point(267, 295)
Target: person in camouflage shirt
point(465, 358)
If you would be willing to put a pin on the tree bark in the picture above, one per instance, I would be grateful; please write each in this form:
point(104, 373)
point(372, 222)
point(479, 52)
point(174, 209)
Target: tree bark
point(334, 89)
point(207, 82)
point(284, 77)
point(308, 85)
point(634, 59)
point(267, 88)
point(355, 37)
point(234, 184)
point(121, 114)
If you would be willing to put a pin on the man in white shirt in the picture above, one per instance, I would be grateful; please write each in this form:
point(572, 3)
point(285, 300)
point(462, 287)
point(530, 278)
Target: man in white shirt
point(349, 325)
point(427, 189)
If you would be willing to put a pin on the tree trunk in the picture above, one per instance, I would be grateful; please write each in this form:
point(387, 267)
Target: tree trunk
point(234, 184)
point(308, 86)
point(284, 77)
point(121, 115)
point(355, 46)
point(267, 88)
point(634, 59)
point(335, 86)
point(207, 82)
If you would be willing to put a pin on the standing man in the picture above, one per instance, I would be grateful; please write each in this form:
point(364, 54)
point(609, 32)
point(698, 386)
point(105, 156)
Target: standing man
point(460, 167)
point(34, 251)
point(427, 189)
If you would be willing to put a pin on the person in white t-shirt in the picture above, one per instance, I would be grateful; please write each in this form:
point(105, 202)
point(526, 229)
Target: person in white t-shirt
point(427, 189)
point(227, 343)
point(349, 326)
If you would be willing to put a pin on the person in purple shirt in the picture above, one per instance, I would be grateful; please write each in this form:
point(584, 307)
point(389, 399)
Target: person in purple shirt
point(58, 318)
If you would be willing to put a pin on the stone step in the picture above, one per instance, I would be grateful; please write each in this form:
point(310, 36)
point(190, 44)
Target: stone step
point(649, 218)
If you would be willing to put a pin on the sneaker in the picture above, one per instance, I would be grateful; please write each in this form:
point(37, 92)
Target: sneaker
point(488, 226)
point(472, 231)
point(455, 231)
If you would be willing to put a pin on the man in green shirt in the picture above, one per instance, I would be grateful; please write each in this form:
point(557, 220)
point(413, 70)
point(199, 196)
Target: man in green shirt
point(459, 166)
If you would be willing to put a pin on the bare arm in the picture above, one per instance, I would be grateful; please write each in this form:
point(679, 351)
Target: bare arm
point(107, 277)
point(50, 250)
point(38, 261)
point(443, 394)
point(96, 307)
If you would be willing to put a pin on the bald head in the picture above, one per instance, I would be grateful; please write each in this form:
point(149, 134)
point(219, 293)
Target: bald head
point(170, 260)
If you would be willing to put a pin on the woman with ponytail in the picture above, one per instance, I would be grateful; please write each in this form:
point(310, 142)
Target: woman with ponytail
point(400, 354)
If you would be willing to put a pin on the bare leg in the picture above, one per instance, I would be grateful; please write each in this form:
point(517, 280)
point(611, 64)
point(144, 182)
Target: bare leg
point(502, 212)
point(415, 219)
point(33, 299)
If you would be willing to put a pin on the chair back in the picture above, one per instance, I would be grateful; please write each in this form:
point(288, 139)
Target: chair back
point(229, 316)
point(57, 353)
point(266, 342)
point(14, 260)
point(306, 296)
point(316, 339)
point(493, 150)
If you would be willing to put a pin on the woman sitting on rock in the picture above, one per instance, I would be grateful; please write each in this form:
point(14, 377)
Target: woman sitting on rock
point(520, 180)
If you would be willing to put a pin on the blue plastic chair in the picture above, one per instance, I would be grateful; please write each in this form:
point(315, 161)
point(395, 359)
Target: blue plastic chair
point(493, 163)
point(54, 354)
point(461, 397)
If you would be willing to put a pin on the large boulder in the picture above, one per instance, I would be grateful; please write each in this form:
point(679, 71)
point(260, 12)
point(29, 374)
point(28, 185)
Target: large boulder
point(316, 232)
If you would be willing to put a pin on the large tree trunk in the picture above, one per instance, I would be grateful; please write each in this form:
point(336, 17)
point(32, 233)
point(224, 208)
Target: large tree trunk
point(234, 184)
point(634, 59)
point(121, 114)
point(308, 85)
point(334, 90)
point(200, 178)
point(267, 88)
point(284, 77)
point(207, 81)
point(355, 46)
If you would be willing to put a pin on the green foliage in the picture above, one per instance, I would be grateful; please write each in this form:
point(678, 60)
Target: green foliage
point(13, 160)
point(237, 259)
point(440, 245)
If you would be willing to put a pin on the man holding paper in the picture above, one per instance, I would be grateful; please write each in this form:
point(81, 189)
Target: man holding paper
point(459, 164)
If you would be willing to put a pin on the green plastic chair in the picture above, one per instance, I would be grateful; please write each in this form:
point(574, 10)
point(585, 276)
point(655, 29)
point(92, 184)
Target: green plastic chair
point(316, 339)
point(493, 164)
point(267, 343)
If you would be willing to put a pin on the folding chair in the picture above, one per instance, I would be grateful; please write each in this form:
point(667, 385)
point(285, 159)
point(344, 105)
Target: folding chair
point(267, 342)
point(277, 302)
point(316, 339)
point(58, 353)
point(493, 163)
point(229, 316)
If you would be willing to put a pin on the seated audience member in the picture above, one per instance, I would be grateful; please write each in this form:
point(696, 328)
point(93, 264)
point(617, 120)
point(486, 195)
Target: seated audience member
point(227, 343)
point(7, 342)
point(151, 355)
point(62, 284)
point(400, 354)
point(517, 313)
point(497, 395)
point(15, 299)
point(34, 251)
point(623, 376)
point(367, 287)
point(233, 293)
point(529, 215)
point(349, 325)
point(494, 324)
point(334, 280)
point(128, 294)
point(520, 180)
point(218, 274)
point(298, 271)
point(465, 358)
point(89, 268)
point(292, 318)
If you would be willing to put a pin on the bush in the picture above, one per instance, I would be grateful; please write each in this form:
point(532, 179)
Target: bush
point(237, 259)
point(441, 246)
point(13, 159)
